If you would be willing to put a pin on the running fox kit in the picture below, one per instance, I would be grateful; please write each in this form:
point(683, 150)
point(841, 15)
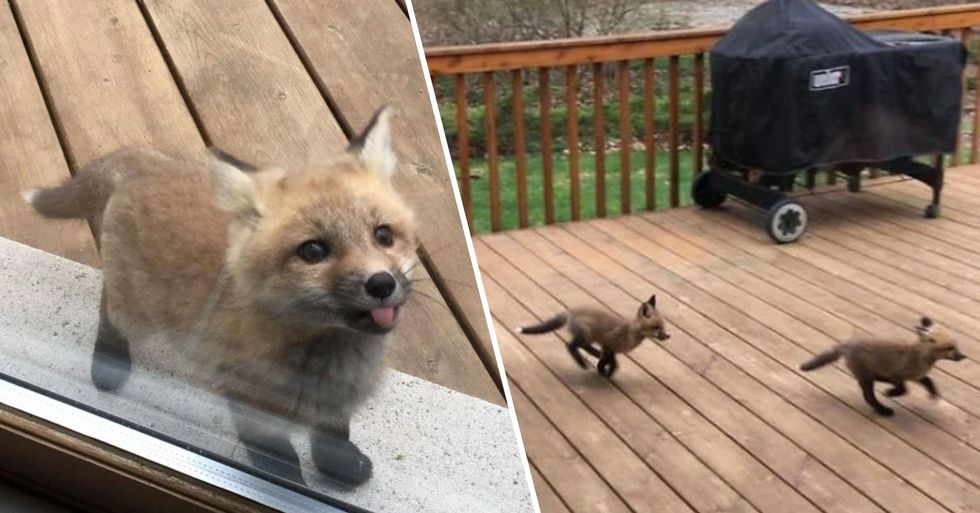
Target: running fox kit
point(284, 283)
point(892, 362)
point(613, 334)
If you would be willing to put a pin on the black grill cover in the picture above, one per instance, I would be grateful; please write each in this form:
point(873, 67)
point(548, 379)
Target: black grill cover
point(795, 86)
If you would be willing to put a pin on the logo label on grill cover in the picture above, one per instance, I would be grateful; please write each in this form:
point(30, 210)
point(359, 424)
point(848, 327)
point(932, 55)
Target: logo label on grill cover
point(830, 78)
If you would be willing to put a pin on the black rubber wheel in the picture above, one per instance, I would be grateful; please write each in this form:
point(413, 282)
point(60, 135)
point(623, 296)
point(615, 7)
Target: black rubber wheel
point(933, 211)
point(702, 192)
point(786, 221)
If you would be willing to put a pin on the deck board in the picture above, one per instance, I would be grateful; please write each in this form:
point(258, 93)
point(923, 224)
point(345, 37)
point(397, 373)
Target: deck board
point(31, 149)
point(175, 76)
point(743, 313)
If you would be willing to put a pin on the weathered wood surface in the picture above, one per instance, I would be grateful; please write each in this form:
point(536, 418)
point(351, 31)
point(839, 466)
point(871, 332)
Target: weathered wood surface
point(743, 314)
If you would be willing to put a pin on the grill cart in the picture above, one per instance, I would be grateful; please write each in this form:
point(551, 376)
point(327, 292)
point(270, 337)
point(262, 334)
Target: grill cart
point(796, 88)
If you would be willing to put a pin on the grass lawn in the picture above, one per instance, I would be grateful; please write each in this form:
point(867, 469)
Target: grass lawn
point(562, 191)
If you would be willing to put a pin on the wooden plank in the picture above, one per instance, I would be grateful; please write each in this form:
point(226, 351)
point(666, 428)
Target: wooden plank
point(599, 116)
point(649, 138)
point(87, 54)
point(548, 500)
point(825, 489)
point(30, 156)
point(520, 155)
point(697, 483)
point(571, 98)
point(493, 163)
point(620, 466)
point(824, 301)
point(575, 480)
point(564, 52)
point(646, 260)
point(547, 159)
point(272, 112)
point(832, 329)
point(463, 147)
point(625, 136)
point(674, 130)
point(698, 136)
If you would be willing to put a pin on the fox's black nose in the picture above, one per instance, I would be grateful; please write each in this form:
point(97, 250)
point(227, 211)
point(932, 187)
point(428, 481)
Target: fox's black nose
point(380, 285)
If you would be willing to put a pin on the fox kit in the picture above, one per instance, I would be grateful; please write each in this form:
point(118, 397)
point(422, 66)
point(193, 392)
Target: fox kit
point(612, 333)
point(892, 362)
point(285, 283)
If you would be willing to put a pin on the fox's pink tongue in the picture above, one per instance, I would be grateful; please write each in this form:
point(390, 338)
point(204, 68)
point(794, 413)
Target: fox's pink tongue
point(383, 317)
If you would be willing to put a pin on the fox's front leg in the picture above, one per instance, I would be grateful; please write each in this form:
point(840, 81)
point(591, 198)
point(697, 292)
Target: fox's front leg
point(336, 456)
point(267, 441)
point(607, 364)
point(111, 362)
point(868, 389)
point(573, 349)
point(927, 382)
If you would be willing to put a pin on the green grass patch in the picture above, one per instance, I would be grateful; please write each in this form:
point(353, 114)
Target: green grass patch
point(562, 187)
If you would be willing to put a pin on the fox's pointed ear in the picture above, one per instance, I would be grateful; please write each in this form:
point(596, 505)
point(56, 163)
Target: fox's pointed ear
point(373, 145)
point(234, 185)
point(653, 301)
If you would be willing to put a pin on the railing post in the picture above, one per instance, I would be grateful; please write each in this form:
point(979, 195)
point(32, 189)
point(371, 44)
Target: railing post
point(674, 131)
point(598, 105)
point(698, 139)
point(649, 139)
point(571, 100)
point(544, 89)
point(463, 147)
point(625, 137)
point(517, 81)
point(493, 164)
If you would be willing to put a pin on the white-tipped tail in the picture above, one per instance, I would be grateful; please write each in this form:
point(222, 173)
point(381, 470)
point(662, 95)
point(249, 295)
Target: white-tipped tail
point(29, 195)
point(519, 329)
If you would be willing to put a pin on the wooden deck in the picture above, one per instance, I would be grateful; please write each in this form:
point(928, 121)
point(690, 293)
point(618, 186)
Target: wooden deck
point(718, 418)
point(278, 81)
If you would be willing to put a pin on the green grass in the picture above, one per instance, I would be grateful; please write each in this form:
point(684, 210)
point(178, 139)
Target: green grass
point(562, 188)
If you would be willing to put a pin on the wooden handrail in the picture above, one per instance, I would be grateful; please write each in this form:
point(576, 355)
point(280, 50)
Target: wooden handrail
point(587, 50)
point(523, 175)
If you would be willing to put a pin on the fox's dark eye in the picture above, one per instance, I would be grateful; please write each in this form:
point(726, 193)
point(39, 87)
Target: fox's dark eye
point(382, 234)
point(313, 251)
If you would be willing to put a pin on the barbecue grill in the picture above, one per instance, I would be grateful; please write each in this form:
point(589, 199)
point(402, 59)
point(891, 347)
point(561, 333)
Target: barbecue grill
point(795, 88)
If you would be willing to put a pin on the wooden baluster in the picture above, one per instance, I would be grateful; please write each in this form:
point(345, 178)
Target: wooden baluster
point(544, 88)
point(571, 99)
point(625, 137)
point(674, 131)
point(975, 147)
point(463, 149)
point(698, 141)
point(517, 80)
point(955, 159)
point(649, 141)
point(493, 163)
point(598, 81)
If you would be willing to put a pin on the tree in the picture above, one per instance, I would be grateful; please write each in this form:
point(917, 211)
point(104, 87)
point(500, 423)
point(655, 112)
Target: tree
point(445, 22)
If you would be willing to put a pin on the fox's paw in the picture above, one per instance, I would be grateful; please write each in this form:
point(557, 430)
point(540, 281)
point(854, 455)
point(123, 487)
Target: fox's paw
point(895, 392)
point(111, 366)
point(885, 411)
point(341, 460)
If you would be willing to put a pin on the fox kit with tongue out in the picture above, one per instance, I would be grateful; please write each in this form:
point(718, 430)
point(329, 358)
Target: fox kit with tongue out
point(283, 282)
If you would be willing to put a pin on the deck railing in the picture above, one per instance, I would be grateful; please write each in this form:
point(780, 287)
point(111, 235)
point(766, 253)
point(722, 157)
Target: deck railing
point(539, 79)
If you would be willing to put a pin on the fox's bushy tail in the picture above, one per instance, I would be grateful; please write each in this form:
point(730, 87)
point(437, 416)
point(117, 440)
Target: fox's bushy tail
point(824, 358)
point(82, 196)
point(550, 325)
